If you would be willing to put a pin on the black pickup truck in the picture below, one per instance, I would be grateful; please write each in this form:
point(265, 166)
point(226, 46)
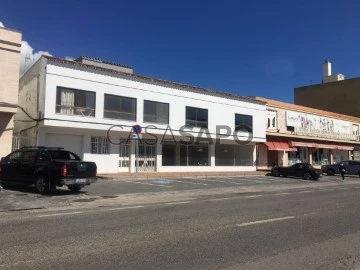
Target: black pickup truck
point(47, 168)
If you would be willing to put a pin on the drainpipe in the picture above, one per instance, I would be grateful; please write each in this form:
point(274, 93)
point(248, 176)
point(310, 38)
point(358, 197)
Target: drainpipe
point(37, 107)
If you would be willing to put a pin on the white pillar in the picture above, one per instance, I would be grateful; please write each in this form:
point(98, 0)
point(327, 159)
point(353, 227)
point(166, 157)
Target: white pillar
point(158, 156)
point(132, 156)
point(212, 155)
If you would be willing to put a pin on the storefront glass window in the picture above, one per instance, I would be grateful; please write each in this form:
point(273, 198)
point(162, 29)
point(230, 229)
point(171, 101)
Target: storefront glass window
point(244, 155)
point(224, 155)
point(320, 156)
point(298, 157)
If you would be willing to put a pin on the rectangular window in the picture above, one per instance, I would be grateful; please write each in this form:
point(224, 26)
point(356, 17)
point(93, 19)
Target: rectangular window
point(156, 112)
point(117, 107)
point(243, 122)
point(196, 117)
point(169, 155)
point(234, 155)
point(100, 145)
point(224, 155)
point(289, 128)
point(75, 102)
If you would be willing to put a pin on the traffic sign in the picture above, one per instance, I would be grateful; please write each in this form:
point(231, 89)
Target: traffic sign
point(136, 129)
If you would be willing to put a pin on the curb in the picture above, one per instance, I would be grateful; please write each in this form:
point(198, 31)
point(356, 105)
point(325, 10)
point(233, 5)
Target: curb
point(22, 209)
point(139, 177)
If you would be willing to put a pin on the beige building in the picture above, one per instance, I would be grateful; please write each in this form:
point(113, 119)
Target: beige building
point(301, 134)
point(10, 47)
point(335, 93)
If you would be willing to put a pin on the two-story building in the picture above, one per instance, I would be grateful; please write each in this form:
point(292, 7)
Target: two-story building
point(89, 106)
point(10, 47)
point(296, 133)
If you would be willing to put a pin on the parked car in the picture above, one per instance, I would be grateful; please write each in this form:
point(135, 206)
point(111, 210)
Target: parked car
point(47, 168)
point(303, 170)
point(352, 167)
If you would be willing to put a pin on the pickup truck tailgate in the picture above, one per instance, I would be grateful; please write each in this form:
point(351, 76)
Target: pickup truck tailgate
point(80, 169)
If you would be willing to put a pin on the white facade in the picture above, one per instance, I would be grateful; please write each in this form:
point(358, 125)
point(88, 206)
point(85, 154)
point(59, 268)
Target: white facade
point(77, 132)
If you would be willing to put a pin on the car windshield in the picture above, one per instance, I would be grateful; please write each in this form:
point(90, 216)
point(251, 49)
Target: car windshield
point(62, 155)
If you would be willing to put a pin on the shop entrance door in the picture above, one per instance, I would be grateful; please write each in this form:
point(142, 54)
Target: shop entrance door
point(273, 158)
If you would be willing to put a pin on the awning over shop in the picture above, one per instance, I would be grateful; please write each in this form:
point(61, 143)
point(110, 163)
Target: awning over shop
point(321, 145)
point(280, 146)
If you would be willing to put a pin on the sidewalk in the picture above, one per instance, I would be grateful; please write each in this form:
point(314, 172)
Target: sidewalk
point(13, 200)
point(152, 175)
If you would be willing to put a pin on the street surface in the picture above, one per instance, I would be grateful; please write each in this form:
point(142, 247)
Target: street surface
point(250, 222)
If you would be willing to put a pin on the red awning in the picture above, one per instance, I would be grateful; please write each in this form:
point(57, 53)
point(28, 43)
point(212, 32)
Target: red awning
point(321, 145)
point(280, 146)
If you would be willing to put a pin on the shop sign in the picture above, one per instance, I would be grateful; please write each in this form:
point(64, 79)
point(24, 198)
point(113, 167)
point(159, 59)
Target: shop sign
point(325, 134)
point(318, 126)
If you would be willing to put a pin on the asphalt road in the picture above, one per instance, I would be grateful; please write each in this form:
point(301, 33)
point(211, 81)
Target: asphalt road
point(316, 227)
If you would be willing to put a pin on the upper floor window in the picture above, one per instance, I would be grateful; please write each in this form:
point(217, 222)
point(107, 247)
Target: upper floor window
point(356, 130)
point(156, 112)
point(196, 117)
point(117, 107)
point(243, 122)
point(75, 102)
point(271, 119)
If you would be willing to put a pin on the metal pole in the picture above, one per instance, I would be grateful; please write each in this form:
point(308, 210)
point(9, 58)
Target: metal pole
point(137, 155)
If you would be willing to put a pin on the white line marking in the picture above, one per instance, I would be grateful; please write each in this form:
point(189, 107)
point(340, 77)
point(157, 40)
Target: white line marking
point(61, 214)
point(124, 208)
point(283, 193)
point(189, 182)
point(177, 203)
point(308, 214)
point(306, 191)
point(221, 199)
point(253, 196)
point(263, 221)
point(236, 183)
point(147, 184)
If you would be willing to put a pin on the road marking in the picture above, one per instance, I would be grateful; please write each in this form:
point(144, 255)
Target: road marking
point(309, 214)
point(236, 183)
point(124, 208)
point(264, 221)
point(253, 196)
point(177, 203)
point(283, 193)
point(306, 191)
point(61, 214)
point(159, 185)
point(189, 182)
point(220, 199)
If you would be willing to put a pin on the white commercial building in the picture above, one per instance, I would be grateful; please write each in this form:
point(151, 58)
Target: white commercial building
point(89, 106)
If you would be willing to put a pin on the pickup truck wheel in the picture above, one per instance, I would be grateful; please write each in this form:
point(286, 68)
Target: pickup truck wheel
point(307, 176)
point(41, 184)
point(330, 172)
point(75, 188)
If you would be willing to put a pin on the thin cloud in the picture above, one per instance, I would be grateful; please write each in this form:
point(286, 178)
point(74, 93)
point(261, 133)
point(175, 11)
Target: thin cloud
point(28, 57)
point(69, 58)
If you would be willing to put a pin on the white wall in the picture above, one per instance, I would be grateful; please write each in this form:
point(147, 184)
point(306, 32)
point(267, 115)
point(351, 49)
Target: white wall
point(106, 163)
point(221, 111)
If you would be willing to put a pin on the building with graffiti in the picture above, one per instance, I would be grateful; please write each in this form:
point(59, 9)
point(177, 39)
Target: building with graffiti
point(301, 134)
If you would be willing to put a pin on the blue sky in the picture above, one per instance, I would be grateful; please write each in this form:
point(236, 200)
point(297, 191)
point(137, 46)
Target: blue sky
point(263, 48)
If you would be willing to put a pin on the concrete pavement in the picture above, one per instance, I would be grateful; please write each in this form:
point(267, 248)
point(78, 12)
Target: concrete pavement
point(283, 230)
